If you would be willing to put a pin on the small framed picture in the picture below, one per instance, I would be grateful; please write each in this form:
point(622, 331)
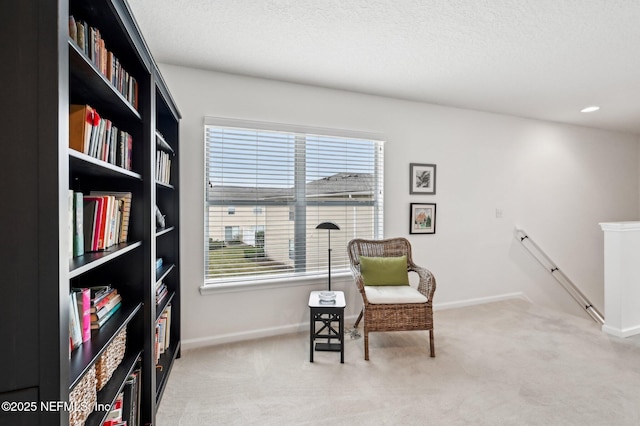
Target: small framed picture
point(422, 218)
point(422, 178)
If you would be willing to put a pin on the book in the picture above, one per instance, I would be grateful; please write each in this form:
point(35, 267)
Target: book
point(97, 242)
point(103, 310)
point(78, 228)
point(131, 398)
point(97, 324)
point(81, 121)
point(73, 29)
point(89, 210)
point(80, 40)
point(161, 293)
point(72, 325)
point(83, 298)
point(123, 225)
point(95, 307)
point(162, 325)
point(98, 315)
point(102, 230)
point(114, 417)
point(75, 327)
point(167, 314)
point(99, 292)
point(95, 130)
point(70, 222)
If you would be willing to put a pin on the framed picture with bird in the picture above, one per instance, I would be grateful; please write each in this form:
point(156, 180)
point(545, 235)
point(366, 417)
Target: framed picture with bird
point(422, 178)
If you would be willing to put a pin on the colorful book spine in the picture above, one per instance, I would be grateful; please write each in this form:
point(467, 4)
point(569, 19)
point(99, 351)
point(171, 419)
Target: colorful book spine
point(84, 306)
point(78, 228)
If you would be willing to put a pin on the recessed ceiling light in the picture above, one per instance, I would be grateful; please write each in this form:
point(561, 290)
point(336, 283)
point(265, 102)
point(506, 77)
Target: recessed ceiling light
point(590, 109)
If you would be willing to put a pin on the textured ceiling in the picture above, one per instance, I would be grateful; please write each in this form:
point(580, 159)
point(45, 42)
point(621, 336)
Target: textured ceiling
point(544, 59)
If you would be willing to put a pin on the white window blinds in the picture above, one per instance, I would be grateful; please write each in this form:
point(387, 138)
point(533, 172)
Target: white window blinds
point(280, 186)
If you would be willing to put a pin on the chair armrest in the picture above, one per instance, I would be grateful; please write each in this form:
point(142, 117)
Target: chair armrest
point(355, 271)
point(427, 283)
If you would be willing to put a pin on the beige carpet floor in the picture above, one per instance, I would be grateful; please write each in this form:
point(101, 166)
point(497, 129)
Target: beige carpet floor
point(504, 363)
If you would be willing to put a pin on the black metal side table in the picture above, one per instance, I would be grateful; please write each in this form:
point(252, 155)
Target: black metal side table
point(325, 315)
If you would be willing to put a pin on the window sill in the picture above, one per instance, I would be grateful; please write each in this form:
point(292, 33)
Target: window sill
point(241, 286)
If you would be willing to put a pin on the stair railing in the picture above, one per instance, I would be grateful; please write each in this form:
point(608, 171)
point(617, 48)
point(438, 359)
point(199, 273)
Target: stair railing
point(560, 276)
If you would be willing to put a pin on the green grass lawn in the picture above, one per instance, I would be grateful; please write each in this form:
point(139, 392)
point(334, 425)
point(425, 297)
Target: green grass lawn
point(231, 261)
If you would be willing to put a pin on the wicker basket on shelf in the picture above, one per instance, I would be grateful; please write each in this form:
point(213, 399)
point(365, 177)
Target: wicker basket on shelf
point(110, 359)
point(83, 398)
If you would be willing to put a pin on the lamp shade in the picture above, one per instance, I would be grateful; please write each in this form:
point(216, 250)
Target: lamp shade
point(327, 225)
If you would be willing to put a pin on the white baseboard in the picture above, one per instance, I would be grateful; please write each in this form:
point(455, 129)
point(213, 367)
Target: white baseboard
point(188, 344)
point(618, 332)
point(480, 301)
point(252, 334)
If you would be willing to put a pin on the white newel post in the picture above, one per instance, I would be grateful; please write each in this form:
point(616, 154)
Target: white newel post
point(621, 278)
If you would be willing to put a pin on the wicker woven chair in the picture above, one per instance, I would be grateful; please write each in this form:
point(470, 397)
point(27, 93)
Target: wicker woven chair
point(386, 316)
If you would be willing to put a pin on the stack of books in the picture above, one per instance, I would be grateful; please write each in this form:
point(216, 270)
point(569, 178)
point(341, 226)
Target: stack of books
point(105, 302)
point(161, 292)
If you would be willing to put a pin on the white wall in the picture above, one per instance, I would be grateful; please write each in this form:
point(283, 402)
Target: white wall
point(555, 181)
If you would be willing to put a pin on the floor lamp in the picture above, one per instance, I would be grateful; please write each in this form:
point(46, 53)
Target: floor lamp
point(329, 226)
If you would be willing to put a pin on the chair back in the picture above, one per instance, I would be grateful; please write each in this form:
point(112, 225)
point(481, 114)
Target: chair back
point(391, 247)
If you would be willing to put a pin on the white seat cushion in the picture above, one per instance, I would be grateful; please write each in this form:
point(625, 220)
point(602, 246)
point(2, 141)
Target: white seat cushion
point(393, 294)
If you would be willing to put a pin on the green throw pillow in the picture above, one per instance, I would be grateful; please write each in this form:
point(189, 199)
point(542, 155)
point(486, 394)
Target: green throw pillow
point(384, 270)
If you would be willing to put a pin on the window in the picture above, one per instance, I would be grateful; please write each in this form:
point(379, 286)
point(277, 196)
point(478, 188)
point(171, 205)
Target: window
point(282, 182)
point(231, 210)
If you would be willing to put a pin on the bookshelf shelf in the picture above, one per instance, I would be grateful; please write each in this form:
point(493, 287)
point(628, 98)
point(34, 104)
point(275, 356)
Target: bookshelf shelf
point(163, 144)
point(162, 272)
point(88, 261)
point(163, 231)
point(161, 185)
point(39, 171)
point(84, 164)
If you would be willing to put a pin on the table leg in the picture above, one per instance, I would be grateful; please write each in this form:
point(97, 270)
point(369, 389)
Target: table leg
point(312, 332)
point(341, 328)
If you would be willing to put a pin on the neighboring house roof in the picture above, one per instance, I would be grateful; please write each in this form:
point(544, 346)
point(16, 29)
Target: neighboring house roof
point(338, 184)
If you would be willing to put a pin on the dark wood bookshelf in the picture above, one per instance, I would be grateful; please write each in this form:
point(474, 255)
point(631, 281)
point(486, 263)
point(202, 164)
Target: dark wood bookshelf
point(48, 73)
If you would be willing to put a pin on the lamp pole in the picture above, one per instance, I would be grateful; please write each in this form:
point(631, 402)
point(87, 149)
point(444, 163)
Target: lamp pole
point(329, 250)
point(328, 226)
